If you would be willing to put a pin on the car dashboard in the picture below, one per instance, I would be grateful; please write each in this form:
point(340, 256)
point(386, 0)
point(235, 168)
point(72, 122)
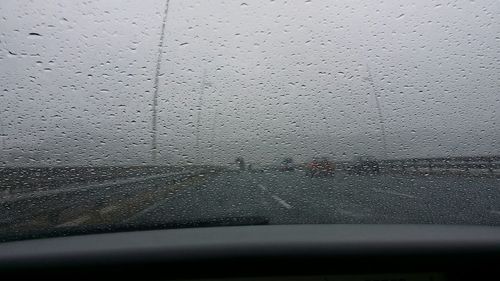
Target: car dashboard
point(264, 252)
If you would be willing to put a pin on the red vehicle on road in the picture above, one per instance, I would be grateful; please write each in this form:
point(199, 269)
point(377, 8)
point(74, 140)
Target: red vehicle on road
point(322, 167)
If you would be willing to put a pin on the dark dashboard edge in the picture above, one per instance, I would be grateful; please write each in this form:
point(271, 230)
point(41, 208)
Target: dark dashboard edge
point(270, 241)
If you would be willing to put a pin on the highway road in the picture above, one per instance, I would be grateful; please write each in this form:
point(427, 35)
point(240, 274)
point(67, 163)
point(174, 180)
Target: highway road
point(291, 197)
point(255, 198)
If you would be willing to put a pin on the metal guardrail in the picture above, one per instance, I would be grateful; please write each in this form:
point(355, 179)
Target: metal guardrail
point(83, 187)
point(55, 201)
point(37, 178)
point(469, 165)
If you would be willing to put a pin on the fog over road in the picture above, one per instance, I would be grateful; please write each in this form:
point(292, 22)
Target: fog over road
point(262, 80)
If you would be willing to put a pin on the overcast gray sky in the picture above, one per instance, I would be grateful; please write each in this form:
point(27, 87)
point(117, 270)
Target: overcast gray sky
point(284, 78)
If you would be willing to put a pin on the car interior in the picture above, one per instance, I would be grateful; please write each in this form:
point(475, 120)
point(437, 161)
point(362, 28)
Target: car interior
point(277, 252)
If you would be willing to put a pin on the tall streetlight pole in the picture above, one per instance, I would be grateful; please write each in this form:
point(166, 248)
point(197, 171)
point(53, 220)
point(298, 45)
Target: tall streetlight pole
point(154, 137)
point(214, 122)
point(198, 116)
point(381, 120)
point(3, 157)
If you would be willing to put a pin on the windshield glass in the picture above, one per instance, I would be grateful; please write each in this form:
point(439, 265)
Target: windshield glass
point(163, 114)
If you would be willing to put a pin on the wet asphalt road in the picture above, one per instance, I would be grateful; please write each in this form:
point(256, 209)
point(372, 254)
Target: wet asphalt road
point(291, 197)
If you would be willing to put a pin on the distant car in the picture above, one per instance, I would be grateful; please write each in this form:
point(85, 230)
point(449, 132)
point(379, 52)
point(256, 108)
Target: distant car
point(287, 165)
point(286, 168)
point(364, 165)
point(322, 167)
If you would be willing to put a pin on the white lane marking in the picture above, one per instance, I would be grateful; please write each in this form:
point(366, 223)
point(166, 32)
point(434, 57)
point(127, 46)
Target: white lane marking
point(393, 193)
point(495, 212)
point(262, 187)
point(75, 222)
point(282, 202)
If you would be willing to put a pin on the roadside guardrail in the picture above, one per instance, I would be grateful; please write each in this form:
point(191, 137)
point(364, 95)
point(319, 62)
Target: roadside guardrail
point(479, 165)
point(19, 206)
point(466, 166)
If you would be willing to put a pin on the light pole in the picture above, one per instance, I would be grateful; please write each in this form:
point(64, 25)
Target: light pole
point(3, 157)
point(381, 120)
point(204, 84)
point(154, 121)
point(214, 122)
